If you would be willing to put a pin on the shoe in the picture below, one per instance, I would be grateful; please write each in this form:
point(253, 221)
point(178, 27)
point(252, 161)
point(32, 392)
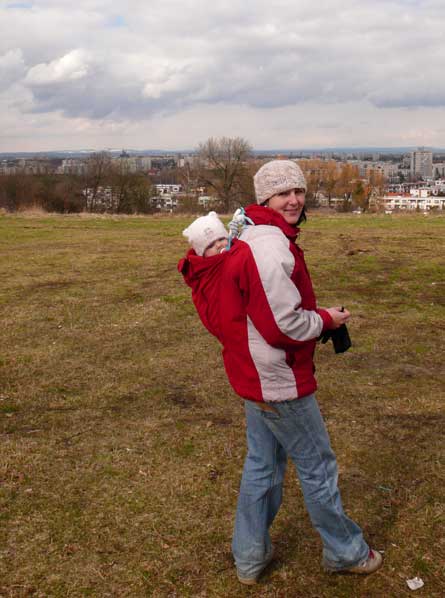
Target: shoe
point(251, 581)
point(369, 565)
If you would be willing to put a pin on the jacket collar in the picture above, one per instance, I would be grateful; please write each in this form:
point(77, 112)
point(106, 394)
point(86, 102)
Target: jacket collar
point(264, 215)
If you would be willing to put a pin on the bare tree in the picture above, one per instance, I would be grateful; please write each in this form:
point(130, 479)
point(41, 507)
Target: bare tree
point(68, 193)
point(222, 169)
point(131, 190)
point(98, 173)
point(120, 183)
point(374, 189)
point(18, 190)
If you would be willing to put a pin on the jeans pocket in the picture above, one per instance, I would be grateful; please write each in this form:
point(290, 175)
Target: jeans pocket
point(270, 414)
point(266, 410)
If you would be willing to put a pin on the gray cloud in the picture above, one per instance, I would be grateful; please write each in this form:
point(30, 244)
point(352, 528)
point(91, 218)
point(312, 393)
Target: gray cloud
point(12, 68)
point(173, 54)
point(96, 60)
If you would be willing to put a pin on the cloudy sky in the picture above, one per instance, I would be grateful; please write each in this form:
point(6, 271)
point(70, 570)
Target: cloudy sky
point(169, 73)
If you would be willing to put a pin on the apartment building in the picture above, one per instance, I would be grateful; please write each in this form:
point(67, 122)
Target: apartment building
point(420, 198)
point(163, 188)
point(72, 166)
point(8, 167)
point(439, 169)
point(422, 163)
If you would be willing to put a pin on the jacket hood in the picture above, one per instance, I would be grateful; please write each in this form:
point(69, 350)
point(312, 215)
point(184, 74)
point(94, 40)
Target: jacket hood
point(265, 215)
point(193, 267)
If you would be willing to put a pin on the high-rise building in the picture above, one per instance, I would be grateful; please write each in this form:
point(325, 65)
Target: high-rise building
point(422, 163)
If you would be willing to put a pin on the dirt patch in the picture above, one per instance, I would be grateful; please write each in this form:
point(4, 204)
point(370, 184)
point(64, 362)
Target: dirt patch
point(51, 284)
point(181, 397)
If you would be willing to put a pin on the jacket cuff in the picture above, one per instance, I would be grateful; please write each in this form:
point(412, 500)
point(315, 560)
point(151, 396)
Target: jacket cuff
point(327, 320)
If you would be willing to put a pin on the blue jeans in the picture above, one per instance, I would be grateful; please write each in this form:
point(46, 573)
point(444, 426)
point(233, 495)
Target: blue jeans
point(296, 430)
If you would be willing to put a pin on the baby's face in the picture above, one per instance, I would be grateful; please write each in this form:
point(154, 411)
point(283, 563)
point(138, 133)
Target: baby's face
point(215, 247)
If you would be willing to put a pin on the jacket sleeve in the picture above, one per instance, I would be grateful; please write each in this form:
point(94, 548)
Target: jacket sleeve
point(273, 301)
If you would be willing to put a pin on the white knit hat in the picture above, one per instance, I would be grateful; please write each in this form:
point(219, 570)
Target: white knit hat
point(277, 176)
point(204, 231)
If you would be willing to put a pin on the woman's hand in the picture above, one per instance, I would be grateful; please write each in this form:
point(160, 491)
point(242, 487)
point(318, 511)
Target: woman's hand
point(339, 315)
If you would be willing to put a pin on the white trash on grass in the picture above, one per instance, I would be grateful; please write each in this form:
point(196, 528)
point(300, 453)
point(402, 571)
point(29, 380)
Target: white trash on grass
point(415, 584)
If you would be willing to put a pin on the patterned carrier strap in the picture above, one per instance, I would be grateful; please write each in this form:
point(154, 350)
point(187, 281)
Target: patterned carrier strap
point(239, 222)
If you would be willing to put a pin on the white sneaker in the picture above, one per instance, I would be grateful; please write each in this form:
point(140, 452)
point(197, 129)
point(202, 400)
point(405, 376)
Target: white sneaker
point(369, 565)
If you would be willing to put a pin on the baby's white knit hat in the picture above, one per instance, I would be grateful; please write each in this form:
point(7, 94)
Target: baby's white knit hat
point(204, 231)
point(277, 176)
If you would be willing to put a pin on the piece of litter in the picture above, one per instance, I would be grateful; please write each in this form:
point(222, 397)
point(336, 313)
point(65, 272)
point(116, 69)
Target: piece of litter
point(415, 584)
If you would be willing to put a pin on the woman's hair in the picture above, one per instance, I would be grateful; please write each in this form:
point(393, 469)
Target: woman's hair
point(302, 217)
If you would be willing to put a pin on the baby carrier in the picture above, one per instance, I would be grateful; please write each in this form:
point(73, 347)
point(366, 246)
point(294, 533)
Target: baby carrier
point(203, 276)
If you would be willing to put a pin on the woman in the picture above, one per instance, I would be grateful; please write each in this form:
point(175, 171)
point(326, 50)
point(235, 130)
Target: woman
point(270, 323)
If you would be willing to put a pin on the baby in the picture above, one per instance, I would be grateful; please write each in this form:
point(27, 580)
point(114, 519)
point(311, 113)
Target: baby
point(207, 235)
point(209, 239)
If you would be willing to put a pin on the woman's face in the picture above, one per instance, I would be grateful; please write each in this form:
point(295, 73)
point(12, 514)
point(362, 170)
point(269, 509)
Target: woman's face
point(289, 204)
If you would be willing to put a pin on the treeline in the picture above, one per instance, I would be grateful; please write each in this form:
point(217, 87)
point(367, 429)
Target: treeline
point(52, 193)
point(226, 167)
point(131, 192)
point(222, 168)
point(341, 180)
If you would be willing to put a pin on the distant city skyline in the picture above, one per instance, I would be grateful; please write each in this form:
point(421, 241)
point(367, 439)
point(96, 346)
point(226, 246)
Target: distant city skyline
point(358, 150)
point(168, 75)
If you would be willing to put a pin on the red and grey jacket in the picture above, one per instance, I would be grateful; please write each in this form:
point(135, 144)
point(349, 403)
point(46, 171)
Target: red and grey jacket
point(257, 299)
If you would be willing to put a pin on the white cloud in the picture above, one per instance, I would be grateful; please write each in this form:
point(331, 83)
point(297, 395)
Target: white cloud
point(70, 67)
point(98, 61)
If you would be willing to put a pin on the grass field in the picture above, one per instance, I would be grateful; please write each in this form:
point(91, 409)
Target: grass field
point(122, 443)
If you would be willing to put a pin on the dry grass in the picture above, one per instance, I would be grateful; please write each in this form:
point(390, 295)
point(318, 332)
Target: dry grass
point(122, 443)
point(32, 210)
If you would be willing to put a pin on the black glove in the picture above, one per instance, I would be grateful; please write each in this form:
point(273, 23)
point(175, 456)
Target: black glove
point(340, 338)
